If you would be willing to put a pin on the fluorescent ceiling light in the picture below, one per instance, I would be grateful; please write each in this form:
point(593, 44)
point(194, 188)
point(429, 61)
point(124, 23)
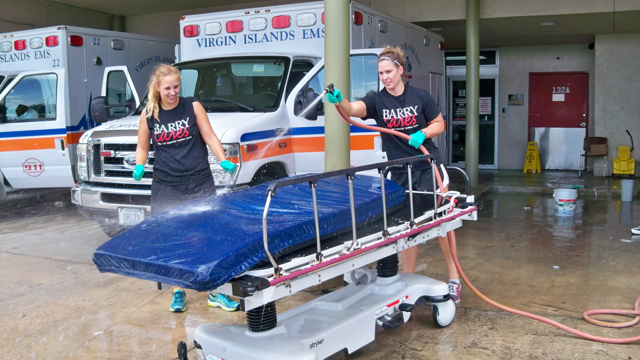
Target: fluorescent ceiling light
point(464, 57)
point(547, 23)
point(434, 29)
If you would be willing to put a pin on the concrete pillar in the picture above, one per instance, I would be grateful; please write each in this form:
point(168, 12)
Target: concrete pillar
point(472, 133)
point(117, 23)
point(337, 43)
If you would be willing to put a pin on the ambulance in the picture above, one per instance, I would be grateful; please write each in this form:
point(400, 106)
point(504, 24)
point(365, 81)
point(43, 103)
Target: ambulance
point(48, 78)
point(255, 71)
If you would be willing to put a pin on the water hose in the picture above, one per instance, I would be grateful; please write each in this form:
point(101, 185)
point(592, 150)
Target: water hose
point(345, 117)
point(587, 315)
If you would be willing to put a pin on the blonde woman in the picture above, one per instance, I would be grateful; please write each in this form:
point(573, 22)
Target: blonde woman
point(414, 112)
point(180, 131)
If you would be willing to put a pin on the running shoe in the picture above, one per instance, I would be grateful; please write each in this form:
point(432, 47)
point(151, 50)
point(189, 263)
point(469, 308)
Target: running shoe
point(222, 301)
point(454, 291)
point(179, 303)
point(636, 230)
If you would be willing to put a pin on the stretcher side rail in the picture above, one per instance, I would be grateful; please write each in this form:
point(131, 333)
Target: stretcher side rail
point(256, 288)
point(323, 264)
point(313, 181)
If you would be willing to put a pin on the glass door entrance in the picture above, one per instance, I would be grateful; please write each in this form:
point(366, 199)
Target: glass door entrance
point(458, 116)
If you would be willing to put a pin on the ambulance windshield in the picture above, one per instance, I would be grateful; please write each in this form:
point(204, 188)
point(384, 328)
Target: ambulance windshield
point(235, 84)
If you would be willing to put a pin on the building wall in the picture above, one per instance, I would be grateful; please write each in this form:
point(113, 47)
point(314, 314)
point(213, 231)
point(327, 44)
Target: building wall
point(617, 86)
point(515, 65)
point(31, 14)
point(167, 24)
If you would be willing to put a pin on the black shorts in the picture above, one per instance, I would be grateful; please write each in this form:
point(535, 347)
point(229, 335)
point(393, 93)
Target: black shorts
point(422, 180)
point(166, 196)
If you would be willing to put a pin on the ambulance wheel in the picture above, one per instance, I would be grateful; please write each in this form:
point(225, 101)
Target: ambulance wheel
point(111, 229)
point(443, 313)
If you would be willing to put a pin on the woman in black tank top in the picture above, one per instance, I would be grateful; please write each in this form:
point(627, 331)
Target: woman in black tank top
point(180, 131)
point(414, 112)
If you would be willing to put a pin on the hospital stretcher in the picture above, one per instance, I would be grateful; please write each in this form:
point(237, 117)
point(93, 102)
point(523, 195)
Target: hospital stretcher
point(274, 240)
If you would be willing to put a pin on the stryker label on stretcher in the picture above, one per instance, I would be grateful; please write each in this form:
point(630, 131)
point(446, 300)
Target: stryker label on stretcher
point(205, 243)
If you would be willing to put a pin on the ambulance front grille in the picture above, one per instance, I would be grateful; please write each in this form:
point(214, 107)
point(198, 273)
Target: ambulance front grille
point(97, 160)
point(126, 199)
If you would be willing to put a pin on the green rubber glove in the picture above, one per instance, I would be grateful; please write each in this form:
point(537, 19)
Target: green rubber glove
point(138, 172)
point(334, 98)
point(417, 138)
point(228, 166)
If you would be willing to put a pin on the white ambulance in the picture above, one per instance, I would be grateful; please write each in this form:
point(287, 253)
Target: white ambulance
point(254, 71)
point(48, 78)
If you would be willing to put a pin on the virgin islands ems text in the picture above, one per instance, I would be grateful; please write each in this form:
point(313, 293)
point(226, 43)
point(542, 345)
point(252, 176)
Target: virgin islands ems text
point(258, 38)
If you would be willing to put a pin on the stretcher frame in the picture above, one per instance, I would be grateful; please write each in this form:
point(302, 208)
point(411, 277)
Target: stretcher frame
point(258, 289)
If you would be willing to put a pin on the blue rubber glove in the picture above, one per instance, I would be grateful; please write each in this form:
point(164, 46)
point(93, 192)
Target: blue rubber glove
point(417, 138)
point(228, 166)
point(138, 172)
point(334, 98)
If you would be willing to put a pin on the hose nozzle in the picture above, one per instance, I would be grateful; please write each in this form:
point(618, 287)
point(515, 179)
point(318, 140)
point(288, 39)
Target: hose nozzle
point(328, 89)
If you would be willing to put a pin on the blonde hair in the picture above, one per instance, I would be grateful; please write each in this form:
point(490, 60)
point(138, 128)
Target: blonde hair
point(395, 54)
point(159, 73)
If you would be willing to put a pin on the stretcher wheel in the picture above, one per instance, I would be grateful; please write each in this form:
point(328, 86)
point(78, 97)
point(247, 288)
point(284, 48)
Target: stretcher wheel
point(443, 313)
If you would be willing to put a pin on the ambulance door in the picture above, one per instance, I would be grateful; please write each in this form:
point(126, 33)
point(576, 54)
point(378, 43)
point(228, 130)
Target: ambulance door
point(118, 87)
point(97, 58)
point(308, 135)
point(33, 138)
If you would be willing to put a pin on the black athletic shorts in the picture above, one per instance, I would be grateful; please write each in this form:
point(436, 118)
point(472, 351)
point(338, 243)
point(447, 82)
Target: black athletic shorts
point(422, 181)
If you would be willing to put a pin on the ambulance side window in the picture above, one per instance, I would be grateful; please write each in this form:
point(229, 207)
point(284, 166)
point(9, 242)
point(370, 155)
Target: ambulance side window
point(118, 92)
point(298, 70)
point(188, 82)
point(317, 84)
point(364, 76)
point(33, 99)
point(364, 80)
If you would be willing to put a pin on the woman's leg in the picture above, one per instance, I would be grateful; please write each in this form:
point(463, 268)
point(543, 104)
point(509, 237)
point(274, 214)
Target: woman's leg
point(409, 258)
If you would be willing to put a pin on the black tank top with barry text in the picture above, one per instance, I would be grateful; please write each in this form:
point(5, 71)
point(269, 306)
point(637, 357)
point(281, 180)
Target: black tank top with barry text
point(181, 155)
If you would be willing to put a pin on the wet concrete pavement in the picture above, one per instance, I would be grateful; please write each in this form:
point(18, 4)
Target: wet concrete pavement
point(54, 304)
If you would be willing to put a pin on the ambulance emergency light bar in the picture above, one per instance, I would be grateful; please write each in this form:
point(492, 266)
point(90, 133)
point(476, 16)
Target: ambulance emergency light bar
point(260, 23)
point(49, 41)
point(37, 43)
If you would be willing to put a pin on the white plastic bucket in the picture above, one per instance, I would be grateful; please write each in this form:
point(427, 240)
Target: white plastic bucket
point(565, 201)
point(626, 190)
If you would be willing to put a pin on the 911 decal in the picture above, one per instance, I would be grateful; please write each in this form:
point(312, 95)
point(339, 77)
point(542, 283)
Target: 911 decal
point(33, 167)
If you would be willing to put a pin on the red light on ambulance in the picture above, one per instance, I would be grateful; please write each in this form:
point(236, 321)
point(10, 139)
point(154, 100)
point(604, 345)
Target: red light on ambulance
point(323, 17)
point(51, 41)
point(358, 18)
point(20, 44)
point(191, 30)
point(281, 21)
point(234, 26)
point(76, 40)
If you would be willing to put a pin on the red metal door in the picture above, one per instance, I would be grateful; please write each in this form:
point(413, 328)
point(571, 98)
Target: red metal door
point(558, 113)
point(558, 100)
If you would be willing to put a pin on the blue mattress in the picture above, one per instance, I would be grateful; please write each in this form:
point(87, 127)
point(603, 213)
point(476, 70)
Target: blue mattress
point(204, 243)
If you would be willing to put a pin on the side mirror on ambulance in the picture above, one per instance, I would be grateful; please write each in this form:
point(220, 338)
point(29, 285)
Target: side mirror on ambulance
point(100, 109)
point(304, 105)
